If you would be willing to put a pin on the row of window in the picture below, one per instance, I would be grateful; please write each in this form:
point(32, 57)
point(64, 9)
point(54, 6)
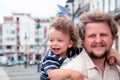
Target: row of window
point(106, 5)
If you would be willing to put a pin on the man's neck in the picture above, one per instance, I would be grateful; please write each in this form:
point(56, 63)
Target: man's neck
point(100, 63)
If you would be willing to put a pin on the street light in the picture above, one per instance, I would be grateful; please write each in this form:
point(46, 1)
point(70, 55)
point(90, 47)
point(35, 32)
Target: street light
point(38, 25)
point(72, 1)
point(37, 28)
point(26, 56)
point(38, 46)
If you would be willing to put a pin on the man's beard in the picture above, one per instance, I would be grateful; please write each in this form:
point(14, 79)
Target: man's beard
point(92, 55)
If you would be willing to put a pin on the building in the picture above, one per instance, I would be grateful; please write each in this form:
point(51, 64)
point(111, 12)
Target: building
point(77, 7)
point(1, 50)
point(8, 36)
point(23, 37)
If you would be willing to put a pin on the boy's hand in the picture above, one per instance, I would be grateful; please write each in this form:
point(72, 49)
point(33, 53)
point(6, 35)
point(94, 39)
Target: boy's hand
point(113, 58)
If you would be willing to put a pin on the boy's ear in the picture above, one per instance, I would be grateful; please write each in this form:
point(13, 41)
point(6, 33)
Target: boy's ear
point(71, 44)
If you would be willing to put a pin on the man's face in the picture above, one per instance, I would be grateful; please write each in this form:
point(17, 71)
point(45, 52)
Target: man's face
point(98, 39)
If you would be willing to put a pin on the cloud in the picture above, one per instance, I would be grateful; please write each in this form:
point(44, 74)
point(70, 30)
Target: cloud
point(39, 8)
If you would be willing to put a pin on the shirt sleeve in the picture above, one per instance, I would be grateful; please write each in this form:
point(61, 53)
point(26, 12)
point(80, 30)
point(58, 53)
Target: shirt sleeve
point(118, 69)
point(52, 61)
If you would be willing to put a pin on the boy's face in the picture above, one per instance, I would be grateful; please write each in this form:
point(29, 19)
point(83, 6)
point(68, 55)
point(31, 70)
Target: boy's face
point(59, 42)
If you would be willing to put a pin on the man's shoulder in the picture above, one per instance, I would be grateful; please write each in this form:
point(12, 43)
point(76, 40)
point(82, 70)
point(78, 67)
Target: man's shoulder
point(76, 63)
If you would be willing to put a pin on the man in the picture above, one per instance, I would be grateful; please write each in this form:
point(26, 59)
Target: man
point(97, 32)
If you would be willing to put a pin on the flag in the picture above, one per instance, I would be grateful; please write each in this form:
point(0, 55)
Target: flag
point(64, 10)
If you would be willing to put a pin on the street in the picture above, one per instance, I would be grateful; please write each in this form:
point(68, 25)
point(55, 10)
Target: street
point(21, 73)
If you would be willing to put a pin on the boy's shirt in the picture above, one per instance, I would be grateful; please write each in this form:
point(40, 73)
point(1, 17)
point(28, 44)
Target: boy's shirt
point(52, 61)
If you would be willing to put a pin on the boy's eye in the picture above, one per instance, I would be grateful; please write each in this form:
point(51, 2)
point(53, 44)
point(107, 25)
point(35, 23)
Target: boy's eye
point(51, 40)
point(60, 40)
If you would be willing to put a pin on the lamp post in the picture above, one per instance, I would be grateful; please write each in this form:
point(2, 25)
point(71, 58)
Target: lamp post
point(37, 28)
point(38, 39)
point(26, 56)
point(72, 1)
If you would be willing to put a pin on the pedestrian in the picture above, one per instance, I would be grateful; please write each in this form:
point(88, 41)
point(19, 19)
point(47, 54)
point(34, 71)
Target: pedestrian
point(62, 39)
point(97, 32)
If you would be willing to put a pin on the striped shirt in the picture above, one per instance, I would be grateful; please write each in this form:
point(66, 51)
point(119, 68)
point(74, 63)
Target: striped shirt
point(85, 65)
point(52, 61)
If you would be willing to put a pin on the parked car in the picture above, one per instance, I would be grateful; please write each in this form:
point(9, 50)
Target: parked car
point(10, 62)
point(32, 62)
point(19, 62)
point(3, 60)
point(15, 62)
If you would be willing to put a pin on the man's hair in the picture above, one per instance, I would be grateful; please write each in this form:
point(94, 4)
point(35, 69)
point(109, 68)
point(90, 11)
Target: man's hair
point(66, 26)
point(97, 16)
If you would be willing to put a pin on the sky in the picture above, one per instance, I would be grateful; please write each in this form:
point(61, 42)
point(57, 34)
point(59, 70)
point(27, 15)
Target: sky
point(37, 8)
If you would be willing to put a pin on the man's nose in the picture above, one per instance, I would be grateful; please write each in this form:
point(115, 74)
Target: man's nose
point(98, 39)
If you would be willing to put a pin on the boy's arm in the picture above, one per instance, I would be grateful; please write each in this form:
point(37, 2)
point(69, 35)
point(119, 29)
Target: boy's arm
point(61, 74)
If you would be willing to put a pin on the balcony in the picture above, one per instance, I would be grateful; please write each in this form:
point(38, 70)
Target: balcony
point(82, 9)
point(116, 13)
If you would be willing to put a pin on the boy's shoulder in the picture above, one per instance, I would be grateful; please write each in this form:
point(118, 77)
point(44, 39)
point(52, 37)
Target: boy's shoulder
point(52, 57)
point(71, 52)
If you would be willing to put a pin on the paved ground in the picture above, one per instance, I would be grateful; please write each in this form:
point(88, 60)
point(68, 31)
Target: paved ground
point(22, 73)
point(3, 74)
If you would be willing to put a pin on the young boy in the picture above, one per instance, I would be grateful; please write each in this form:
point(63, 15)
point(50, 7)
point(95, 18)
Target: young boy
point(63, 46)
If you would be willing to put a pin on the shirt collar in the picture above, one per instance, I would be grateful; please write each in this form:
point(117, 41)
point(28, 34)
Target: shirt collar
point(88, 62)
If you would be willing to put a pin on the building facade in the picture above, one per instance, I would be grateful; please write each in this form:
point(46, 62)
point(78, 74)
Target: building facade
point(22, 37)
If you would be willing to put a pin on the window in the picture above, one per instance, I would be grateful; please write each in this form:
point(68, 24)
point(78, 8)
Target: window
point(32, 46)
point(8, 47)
point(0, 46)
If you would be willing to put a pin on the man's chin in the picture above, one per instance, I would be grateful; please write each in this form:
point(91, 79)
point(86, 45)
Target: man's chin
point(98, 55)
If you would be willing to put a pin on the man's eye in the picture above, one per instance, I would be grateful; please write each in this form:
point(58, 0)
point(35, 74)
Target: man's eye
point(104, 35)
point(91, 36)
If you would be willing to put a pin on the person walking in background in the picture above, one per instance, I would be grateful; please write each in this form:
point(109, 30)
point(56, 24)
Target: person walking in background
point(63, 46)
point(97, 60)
